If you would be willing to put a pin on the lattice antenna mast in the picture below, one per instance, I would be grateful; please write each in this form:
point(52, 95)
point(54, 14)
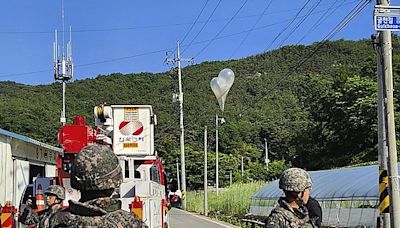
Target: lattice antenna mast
point(63, 65)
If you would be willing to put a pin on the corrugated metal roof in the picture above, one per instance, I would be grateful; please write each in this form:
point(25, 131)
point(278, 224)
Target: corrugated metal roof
point(30, 140)
point(336, 184)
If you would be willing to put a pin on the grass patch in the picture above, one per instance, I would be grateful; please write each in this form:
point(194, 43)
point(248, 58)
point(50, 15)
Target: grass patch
point(230, 205)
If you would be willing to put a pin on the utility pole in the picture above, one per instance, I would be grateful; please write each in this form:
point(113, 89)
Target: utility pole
point(205, 173)
point(384, 202)
point(385, 42)
point(266, 153)
point(217, 121)
point(242, 166)
point(216, 154)
point(230, 177)
point(178, 60)
point(177, 174)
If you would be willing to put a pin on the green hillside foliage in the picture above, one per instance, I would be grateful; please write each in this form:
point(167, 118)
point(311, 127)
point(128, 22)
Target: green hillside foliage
point(318, 114)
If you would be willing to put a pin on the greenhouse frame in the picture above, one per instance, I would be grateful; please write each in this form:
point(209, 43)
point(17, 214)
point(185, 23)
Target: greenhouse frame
point(348, 196)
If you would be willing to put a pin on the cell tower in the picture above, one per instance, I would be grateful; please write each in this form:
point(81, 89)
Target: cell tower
point(63, 66)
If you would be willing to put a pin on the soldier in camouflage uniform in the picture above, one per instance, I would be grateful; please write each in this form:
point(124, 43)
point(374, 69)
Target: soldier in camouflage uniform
point(291, 211)
point(54, 196)
point(96, 173)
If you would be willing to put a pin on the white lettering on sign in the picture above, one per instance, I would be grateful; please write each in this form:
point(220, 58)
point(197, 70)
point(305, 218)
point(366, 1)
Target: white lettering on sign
point(131, 139)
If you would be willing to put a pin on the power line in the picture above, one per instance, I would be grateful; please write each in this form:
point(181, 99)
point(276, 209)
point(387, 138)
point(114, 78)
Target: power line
point(196, 43)
point(321, 19)
point(300, 22)
point(144, 26)
point(193, 24)
point(223, 28)
point(355, 11)
point(288, 25)
point(25, 73)
point(252, 28)
point(264, 26)
point(204, 25)
point(125, 57)
point(195, 21)
point(89, 64)
point(360, 6)
point(162, 50)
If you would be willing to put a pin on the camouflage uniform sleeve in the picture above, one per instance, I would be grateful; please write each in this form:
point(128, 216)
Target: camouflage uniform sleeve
point(275, 220)
point(61, 218)
point(122, 218)
point(27, 218)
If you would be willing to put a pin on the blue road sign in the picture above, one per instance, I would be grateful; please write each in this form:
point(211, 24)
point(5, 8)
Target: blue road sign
point(387, 22)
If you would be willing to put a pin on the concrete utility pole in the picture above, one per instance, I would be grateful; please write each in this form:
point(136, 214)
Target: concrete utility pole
point(178, 60)
point(177, 174)
point(205, 173)
point(266, 153)
point(385, 42)
point(384, 202)
point(217, 121)
point(216, 154)
point(230, 177)
point(391, 133)
point(242, 165)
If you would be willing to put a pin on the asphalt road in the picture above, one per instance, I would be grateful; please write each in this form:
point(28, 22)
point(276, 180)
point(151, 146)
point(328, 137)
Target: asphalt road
point(183, 219)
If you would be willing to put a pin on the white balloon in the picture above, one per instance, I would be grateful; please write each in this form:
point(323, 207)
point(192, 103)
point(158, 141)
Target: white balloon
point(218, 86)
point(228, 76)
point(221, 85)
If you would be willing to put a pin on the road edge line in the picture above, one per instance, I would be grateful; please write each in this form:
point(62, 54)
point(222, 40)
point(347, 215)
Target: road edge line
point(208, 219)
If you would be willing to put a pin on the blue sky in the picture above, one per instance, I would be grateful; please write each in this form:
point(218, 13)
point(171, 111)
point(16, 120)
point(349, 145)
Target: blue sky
point(133, 36)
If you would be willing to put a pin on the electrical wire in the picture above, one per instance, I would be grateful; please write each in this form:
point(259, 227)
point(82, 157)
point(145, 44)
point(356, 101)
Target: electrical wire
point(360, 6)
point(194, 23)
point(142, 54)
point(202, 28)
point(252, 28)
point(25, 73)
point(355, 11)
point(287, 26)
point(321, 19)
point(148, 26)
point(123, 58)
point(268, 25)
point(300, 22)
point(221, 30)
point(159, 51)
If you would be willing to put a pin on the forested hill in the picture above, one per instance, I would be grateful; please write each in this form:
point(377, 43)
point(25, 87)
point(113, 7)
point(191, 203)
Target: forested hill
point(318, 114)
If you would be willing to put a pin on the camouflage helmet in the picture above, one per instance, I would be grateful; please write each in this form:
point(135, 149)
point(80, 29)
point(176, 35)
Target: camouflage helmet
point(95, 168)
point(56, 190)
point(295, 180)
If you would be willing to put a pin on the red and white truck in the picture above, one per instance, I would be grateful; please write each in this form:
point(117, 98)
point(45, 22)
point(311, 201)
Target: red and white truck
point(129, 130)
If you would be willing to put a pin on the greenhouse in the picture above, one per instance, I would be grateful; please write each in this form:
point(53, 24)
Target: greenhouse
point(348, 196)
